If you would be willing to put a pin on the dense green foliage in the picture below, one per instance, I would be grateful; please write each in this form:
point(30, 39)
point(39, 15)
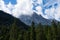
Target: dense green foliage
point(38, 32)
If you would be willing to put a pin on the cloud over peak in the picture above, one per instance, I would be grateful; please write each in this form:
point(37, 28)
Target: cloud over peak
point(49, 10)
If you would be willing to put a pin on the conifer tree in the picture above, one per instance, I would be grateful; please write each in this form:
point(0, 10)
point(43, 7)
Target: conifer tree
point(1, 32)
point(6, 36)
point(40, 33)
point(32, 32)
point(58, 29)
point(20, 35)
point(26, 35)
point(54, 30)
point(48, 32)
point(13, 31)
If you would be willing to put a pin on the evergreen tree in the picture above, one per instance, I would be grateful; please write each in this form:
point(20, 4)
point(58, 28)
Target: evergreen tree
point(32, 32)
point(21, 35)
point(13, 31)
point(40, 33)
point(48, 32)
point(3, 32)
point(26, 35)
point(54, 30)
point(58, 29)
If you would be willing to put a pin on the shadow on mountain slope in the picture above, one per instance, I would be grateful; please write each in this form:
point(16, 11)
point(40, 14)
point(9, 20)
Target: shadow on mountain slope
point(6, 19)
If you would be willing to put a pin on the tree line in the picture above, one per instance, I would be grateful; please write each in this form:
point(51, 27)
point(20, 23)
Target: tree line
point(34, 32)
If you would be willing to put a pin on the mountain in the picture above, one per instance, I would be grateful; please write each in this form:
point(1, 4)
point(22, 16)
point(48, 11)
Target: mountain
point(35, 18)
point(23, 20)
point(39, 19)
point(6, 19)
point(26, 19)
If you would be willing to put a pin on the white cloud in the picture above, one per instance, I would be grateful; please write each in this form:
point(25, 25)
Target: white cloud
point(39, 1)
point(24, 7)
point(50, 12)
point(57, 15)
point(39, 10)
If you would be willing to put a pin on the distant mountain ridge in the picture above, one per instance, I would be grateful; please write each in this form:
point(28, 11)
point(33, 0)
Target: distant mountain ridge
point(35, 18)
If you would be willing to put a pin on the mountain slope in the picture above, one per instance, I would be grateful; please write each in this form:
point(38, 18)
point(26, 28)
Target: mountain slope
point(35, 18)
point(39, 19)
point(6, 19)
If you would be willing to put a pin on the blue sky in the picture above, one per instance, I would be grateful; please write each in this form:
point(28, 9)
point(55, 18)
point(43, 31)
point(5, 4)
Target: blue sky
point(45, 1)
point(12, 1)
